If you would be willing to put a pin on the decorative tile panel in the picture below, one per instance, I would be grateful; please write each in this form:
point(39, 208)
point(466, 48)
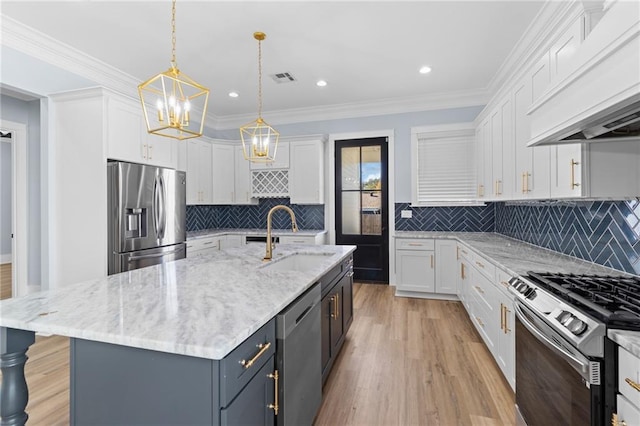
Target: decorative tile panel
point(451, 219)
point(603, 232)
point(254, 216)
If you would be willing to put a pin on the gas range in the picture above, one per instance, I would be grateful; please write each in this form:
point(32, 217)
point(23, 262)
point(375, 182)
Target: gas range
point(581, 307)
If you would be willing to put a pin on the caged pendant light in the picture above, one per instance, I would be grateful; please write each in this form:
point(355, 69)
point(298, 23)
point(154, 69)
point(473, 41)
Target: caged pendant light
point(259, 140)
point(170, 100)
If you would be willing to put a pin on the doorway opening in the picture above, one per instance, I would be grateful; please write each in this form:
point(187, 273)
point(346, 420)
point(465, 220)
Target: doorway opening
point(6, 214)
point(361, 205)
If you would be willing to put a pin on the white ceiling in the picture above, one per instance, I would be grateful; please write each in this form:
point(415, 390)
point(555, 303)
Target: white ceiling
point(367, 51)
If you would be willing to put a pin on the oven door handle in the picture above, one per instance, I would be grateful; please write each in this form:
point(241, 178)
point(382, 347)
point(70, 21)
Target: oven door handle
point(579, 365)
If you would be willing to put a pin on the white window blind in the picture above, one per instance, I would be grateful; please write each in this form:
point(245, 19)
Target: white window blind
point(444, 166)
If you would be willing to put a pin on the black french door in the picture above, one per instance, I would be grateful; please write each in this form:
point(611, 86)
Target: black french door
point(361, 205)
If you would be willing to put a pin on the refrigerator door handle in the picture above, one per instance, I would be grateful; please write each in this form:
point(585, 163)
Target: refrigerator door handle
point(150, 256)
point(159, 214)
point(163, 209)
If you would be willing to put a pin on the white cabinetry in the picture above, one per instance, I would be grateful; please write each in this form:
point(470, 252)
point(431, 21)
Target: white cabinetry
point(446, 267)
point(280, 162)
point(306, 172)
point(506, 343)
point(127, 137)
point(223, 164)
point(303, 239)
point(503, 151)
point(628, 397)
point(242, 182)
point(204, 245)
point(199, 172)
point(415, 265)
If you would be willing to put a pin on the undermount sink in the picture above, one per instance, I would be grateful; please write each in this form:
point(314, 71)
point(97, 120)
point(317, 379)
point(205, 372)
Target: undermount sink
point(297, 262)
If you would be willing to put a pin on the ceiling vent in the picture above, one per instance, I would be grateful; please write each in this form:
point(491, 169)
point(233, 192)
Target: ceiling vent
point(283, 77)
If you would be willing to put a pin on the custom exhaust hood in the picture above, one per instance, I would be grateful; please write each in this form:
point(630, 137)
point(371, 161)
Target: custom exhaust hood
point(597, 98)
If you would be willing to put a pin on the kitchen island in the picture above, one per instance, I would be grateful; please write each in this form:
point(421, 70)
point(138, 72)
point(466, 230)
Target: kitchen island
point(198, 309)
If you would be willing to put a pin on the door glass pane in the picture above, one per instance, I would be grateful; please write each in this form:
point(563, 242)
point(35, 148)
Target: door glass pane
point(350, 168)
point(351, 213)
point(371, 213)
point(371, 167)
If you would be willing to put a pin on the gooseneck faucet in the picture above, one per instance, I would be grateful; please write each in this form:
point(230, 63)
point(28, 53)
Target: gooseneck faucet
point(294, 228)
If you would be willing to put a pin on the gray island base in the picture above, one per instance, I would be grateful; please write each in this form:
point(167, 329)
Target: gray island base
point(187, 342)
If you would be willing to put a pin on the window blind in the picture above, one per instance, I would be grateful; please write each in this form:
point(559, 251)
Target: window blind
point(445, 170)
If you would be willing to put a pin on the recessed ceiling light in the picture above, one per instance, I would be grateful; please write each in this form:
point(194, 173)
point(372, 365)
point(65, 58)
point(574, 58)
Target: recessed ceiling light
point(425, 70)
point(321, 83)
point(233, 94)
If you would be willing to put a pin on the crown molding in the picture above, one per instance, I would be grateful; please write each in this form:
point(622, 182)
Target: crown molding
point(364, 109)
point(552, 19)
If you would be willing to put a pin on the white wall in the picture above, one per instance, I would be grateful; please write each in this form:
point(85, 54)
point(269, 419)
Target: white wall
point(401, 123)
point(5, 199)
point(28, 113)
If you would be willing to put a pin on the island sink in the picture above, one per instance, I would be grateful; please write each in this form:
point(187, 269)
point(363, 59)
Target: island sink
point(296, 262)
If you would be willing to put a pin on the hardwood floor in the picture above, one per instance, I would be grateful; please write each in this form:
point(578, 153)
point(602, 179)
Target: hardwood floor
point(405, 362)
point(413, 362)
point(5, 281)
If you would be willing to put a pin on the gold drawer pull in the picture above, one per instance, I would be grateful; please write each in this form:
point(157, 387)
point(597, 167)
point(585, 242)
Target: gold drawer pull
point(616, 422)
point(573, 164)
point(275, 405)
point(263, 348)
point(415, 244)
point(504, 283)
point(431, 261)
point(480, 290)
point(480, 322)
point(479, 264)
point(633, 384)
point(462, 271)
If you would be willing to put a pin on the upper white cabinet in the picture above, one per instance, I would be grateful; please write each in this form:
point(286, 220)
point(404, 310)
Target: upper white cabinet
point(280, 162)
point(306, 172)
point(223, 164)
point(242, 179)
point(199, 172)
point(127, 137)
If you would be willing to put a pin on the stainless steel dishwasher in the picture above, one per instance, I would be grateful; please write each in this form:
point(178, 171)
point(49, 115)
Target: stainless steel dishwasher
point(298, 356)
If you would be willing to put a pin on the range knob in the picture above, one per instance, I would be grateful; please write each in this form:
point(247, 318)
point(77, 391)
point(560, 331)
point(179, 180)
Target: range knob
point(577, 326)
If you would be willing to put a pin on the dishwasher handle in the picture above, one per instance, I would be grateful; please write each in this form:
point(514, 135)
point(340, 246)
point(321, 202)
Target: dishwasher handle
point(297, 312)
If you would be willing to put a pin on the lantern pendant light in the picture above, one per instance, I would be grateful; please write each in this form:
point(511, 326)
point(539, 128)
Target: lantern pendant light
point(259, 140)
point(170, 100)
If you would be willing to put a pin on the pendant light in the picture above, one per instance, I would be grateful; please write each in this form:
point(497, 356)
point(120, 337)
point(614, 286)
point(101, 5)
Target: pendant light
point(170, 100)
point(259, 140)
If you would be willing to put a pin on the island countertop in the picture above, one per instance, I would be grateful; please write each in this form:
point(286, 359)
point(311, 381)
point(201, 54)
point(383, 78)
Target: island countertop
point(203, 306)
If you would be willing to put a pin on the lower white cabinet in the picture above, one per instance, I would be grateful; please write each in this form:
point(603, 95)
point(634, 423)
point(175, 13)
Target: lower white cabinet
point(446, 267)
point(415, 265)
point(506, 343)
point(205, 245)
point(628, 398)
point(303, 239)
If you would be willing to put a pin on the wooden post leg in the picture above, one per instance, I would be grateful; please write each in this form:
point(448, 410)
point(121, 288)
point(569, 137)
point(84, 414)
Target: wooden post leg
point(14, 393)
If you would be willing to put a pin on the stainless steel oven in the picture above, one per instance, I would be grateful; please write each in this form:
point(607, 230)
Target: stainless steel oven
point(565, 364)
point(555, 383)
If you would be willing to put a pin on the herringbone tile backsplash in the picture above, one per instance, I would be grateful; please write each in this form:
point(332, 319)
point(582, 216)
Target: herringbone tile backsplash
point(603, 232)
point(254, 216)
point(452, 219)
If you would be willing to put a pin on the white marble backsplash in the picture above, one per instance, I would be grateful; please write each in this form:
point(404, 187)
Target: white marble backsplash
point(203, 306)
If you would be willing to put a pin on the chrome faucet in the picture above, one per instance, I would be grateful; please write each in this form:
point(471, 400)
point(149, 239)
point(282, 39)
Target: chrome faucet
point(294, 228)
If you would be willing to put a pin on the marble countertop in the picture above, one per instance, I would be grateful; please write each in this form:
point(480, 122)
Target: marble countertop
point(516, 257)
point(630, 340)
point(252, 231)
point(203, 306)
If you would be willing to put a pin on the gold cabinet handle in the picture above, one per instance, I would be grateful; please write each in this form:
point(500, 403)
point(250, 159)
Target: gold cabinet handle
point(633, 384)
point(480, 190)
point(415, 244)
point(616, 422)
point(263, 348)
point(457, 252)
point(523, 190)
point(573, 165)
point(480, 264)
point(506, 320)
point(275, 405)
point(463, 251)
point(504, 283)
point(150, 152)
point(480, 322)
point(462, 271)
point(431, 261)
point(337, 306)
point(335, 314)
point(480, 290)
point(145, 153)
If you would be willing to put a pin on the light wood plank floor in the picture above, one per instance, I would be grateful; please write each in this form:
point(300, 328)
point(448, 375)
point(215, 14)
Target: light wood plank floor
point(405, 362)
point(5, 281)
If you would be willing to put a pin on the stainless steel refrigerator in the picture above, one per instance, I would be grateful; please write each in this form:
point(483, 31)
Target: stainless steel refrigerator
point(146, 219)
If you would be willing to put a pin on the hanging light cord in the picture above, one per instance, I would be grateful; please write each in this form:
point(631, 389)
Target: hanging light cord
point(259, 78)
point(173, 35)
